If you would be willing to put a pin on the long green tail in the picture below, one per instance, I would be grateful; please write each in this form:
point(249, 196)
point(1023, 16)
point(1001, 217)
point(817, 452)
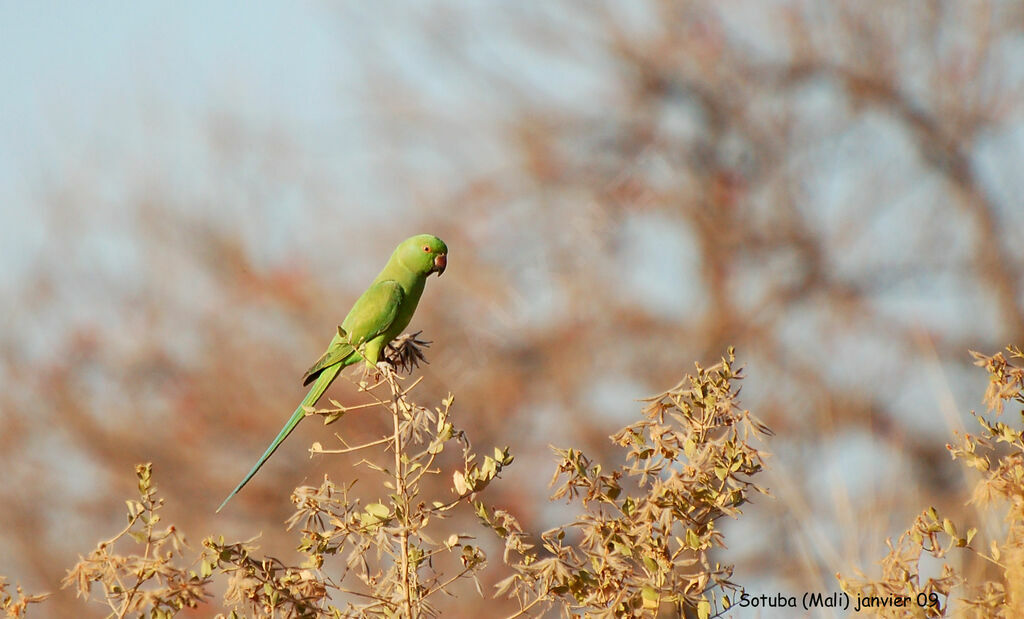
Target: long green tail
point(317, 390)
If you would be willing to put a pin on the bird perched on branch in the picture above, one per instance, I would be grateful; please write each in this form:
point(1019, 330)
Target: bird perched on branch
point(377, 317)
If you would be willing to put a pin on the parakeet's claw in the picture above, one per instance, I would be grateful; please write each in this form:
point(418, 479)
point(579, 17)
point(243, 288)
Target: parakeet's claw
point(373, 373)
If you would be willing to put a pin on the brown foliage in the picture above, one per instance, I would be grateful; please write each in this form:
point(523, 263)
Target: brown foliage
point(640, 544)
point(998, 452)
point(646, 548)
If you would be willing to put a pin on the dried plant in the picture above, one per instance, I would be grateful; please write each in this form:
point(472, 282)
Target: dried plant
point(643, 540)
point(641, 543)
point(998, 453)
point(17, 605)
point(149, 582)
point(391, 554)
point(405, 352)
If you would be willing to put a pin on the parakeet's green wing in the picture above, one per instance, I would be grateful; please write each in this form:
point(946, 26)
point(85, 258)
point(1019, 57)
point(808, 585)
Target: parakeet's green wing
point(339, 351)
point(372, 314)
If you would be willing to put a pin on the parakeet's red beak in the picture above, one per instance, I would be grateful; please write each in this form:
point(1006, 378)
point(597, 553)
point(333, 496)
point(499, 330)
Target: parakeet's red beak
point(440, 262)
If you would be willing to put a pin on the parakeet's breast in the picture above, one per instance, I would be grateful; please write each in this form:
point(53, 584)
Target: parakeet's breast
point(413, 291)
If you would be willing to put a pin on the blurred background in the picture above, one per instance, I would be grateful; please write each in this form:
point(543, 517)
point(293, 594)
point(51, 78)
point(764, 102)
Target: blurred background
point(192, 196)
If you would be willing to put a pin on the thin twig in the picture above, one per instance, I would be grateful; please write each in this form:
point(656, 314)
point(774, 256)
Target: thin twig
point(386, 439)
point(403, 499)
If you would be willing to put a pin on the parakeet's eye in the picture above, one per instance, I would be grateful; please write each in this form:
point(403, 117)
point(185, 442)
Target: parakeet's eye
point(426, 248)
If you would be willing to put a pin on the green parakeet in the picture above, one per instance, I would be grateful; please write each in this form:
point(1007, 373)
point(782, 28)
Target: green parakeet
point(377, 317)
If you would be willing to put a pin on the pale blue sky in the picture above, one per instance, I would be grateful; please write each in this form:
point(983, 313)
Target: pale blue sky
point(130, 89)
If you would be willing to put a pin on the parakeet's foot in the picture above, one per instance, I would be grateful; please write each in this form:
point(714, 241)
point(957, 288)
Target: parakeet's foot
point(372, 373)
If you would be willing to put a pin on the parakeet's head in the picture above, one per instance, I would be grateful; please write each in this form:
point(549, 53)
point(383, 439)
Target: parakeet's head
point(423, 253)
